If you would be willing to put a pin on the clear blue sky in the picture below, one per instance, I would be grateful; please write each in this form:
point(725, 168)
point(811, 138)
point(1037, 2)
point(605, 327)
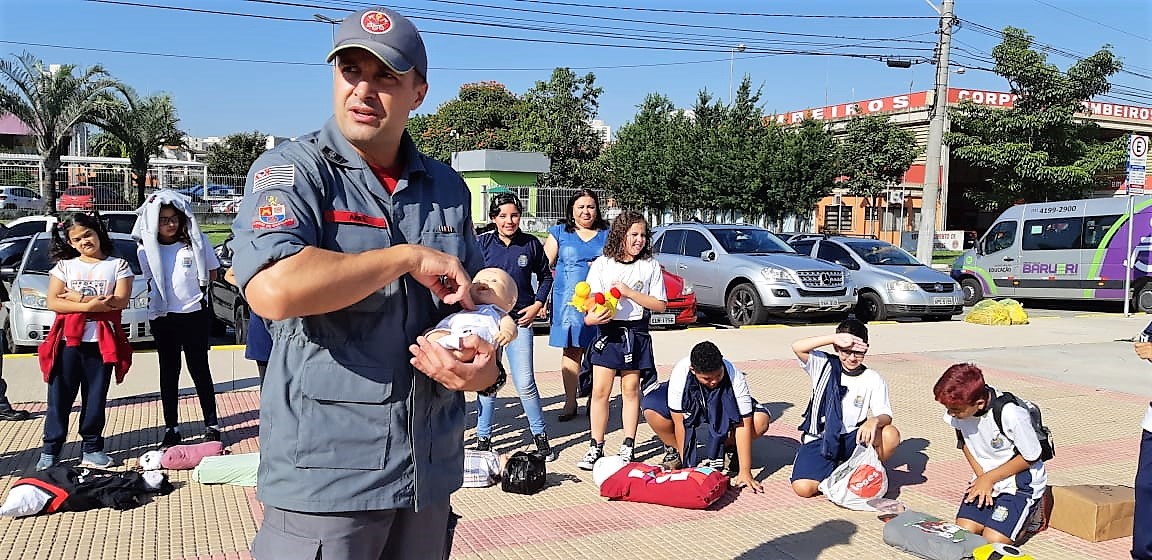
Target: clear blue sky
point(218, 97)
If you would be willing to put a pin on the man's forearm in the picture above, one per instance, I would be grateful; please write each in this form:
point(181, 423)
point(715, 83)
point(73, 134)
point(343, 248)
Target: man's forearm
point(316, 281)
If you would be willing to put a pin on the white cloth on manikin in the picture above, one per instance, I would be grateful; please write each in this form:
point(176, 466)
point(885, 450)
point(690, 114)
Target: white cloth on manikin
point(484, 322)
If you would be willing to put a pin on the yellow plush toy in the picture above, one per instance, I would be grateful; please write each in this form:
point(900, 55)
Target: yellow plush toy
point(580, 296)
point(997, 551)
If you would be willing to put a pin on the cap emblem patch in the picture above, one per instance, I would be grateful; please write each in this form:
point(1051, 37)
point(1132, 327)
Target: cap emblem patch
point(375, 22)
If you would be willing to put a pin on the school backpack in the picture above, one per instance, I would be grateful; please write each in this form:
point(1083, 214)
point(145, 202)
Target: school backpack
point(1047, 448)
point(524, 473)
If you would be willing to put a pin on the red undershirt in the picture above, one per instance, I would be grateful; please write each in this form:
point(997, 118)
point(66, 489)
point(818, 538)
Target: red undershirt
point(388, 176)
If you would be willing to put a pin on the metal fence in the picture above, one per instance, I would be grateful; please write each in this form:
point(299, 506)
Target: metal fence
point(110, 183)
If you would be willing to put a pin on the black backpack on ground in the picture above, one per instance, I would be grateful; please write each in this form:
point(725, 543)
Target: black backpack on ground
point(524, 473)
point(1047, 448)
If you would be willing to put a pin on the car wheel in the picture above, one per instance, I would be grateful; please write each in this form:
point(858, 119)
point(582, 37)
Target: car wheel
point(973, 291)
point(9, 206)
point(869, 307)
point(744, 307)
point(241, 324)
point(1143, 298)
point(10, 346)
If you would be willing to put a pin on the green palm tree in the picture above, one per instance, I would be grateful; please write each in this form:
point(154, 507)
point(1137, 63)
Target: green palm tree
point(106, 145)
point(143, 125)
point(51, 103)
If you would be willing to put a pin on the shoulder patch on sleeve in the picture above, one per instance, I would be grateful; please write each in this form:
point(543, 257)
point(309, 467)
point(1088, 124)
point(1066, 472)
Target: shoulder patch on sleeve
point(274, 176)
point(273, 215)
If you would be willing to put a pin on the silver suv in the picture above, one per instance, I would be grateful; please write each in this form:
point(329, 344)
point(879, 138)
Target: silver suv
point(749, 273)
point(891, 282)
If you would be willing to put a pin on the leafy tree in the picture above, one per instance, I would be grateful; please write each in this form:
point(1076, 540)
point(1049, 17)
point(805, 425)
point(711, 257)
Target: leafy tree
point(1038, 149)
point(480, 118)
point(143, 125)
point(51, 103)
point(236, 153)
point(555, 118)
point(646, 167)
point(875, 154)
point(725, 150)
point(106, 145)
point(800, 164)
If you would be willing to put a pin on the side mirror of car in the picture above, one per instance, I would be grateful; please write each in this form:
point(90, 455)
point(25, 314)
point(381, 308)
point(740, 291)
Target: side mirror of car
point(708, 256)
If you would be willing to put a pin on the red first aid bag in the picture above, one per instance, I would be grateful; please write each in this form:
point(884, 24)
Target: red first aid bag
point(858, 480)
point(692, 488)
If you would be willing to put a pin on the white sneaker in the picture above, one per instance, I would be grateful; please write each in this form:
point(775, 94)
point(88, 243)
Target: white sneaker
point(594, 453)
point(627, 452)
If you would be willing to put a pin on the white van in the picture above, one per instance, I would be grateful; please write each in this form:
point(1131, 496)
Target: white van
point(1072, 249)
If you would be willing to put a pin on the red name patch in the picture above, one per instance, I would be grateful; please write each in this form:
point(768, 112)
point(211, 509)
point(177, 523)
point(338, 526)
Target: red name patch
point(359, 218)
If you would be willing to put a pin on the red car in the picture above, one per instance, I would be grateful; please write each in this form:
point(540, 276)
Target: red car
point(82, 197)
point(681, 302)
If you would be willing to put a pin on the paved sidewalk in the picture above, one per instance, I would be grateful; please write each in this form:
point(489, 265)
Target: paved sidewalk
point(569, 520)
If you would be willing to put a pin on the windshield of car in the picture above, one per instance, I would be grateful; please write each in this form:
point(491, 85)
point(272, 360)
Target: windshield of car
point(40, 259)
point(749, 241)
point(882, 253)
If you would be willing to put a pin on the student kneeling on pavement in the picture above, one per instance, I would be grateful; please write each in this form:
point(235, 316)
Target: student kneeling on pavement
point(844, 393)
point(707, 389)
point(1009, 479)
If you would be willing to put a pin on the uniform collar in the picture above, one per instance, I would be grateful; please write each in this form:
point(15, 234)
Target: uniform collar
point(336, 149)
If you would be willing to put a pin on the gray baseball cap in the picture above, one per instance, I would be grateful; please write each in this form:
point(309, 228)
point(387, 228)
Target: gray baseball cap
point(386, 34)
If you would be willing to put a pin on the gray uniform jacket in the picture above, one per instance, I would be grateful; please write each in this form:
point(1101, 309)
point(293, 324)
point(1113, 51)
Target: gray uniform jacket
point(346, 423)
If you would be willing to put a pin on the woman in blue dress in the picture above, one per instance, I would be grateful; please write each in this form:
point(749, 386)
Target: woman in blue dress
point(571, 247)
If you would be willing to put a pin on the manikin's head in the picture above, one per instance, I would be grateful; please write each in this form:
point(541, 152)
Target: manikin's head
point(493, 286)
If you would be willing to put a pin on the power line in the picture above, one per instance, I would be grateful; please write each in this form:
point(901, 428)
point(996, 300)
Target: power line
point(678, 31)
point(715, 47)
point(1101, 24)
point(305, 63)
point(701, 12)
point(1072, 55)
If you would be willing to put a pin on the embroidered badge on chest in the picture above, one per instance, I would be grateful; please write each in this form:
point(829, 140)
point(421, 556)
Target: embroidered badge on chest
point(273, 215)
point(859, 402)
point(997, 442)
point(522, 261)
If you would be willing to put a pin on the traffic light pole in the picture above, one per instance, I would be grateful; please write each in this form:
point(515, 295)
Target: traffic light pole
point(931, 194)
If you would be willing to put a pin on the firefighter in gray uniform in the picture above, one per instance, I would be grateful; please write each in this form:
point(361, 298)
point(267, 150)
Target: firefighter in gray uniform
point(353, 243)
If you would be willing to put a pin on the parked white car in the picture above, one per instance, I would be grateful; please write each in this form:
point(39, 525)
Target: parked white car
point(117, 221)
point(20, 198)
point(29, 319)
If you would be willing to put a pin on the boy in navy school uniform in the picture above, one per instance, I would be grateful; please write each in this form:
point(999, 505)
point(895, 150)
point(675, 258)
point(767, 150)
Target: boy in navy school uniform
point(1009, 478)
point(706, 388)
point(849, 406)
point(1142, 516)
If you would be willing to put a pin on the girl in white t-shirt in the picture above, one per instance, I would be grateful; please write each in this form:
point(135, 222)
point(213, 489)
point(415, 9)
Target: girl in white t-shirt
point(623, 346)
point(87, 289)
point(182, 320)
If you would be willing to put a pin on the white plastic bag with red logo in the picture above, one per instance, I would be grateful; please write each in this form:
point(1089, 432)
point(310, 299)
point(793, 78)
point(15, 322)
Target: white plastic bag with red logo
point(856, 481)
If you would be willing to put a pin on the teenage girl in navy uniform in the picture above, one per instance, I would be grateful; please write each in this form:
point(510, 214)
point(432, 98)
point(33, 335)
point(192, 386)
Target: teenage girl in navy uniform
point(623, 346)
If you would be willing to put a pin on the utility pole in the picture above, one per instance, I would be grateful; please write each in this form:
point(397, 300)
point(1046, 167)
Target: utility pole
point(935, 140)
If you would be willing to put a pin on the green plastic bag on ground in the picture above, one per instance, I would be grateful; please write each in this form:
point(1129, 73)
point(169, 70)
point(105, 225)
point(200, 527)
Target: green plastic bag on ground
point(989, 312)
point(1015, 311)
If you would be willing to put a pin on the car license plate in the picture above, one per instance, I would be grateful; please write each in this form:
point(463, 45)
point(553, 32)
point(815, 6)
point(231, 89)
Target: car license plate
point(942, 301)
point(827, 302)
point(663, 319)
